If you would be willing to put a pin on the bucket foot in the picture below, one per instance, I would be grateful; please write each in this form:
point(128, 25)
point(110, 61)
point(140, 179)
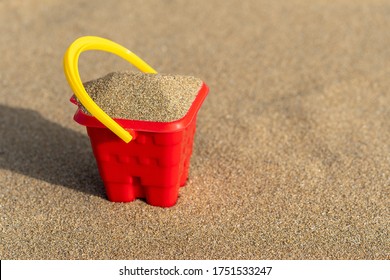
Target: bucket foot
point(119, 192)
point(161, 196)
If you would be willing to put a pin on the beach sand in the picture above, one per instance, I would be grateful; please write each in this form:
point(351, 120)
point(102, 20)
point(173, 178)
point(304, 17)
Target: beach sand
point(291, 157)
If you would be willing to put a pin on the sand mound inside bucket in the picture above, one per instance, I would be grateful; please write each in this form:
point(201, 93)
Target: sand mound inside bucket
point(141, 96)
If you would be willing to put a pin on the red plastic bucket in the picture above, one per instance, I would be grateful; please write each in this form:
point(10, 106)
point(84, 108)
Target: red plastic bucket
point(136, 159)
point(154, 165)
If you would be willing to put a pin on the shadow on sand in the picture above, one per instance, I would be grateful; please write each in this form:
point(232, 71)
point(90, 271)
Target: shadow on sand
point(41, 149)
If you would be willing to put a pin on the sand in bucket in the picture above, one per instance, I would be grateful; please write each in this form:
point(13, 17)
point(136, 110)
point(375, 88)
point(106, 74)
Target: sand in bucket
point(143, 96)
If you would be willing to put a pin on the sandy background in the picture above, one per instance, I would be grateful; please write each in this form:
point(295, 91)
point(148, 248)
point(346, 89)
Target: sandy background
point(292, 151)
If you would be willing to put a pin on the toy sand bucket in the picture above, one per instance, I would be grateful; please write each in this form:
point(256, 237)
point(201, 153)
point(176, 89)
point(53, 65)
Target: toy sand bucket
point(136, 159)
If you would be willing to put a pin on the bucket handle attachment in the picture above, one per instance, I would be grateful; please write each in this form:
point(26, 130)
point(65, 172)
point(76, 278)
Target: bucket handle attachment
point(71, 70)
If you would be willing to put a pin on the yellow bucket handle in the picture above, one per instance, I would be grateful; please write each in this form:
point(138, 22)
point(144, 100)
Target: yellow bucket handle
point(71, 59)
